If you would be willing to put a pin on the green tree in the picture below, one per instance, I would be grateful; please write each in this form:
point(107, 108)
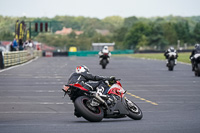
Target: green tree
point(119, 37)
point(142, 42)
point(6, 36)
point(156, 37)
point(169, 33)
point(137, 35)
point(128, 22)
point(117, 21)
point(196, 33)
point(183, 32)
point(119, 34)
point(72, 35)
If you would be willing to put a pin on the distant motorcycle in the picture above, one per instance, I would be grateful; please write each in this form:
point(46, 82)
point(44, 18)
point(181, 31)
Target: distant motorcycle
point(94, 106)
point(197, 64)
point(171, 60)
point(104, 60)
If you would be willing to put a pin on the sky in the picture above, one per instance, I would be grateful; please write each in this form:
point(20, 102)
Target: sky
point(99, 8)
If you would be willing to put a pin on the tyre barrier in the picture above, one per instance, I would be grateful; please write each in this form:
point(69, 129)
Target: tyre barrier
point(18, 57)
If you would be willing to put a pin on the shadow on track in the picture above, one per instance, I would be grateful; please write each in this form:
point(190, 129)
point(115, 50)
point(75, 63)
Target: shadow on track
point(105, 121)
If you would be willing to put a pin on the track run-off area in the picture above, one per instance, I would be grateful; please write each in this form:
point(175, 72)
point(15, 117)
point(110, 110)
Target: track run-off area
point(31, 99)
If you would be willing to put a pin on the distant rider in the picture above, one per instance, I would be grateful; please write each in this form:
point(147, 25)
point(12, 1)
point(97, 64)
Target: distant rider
point(166, 54)
point(194, 51)
point(104, 51)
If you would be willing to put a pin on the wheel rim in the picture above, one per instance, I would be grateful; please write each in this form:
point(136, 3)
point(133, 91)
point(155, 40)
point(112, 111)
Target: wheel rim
point(133, 108)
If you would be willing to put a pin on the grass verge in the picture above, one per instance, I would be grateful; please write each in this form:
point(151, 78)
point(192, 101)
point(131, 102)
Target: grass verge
point(182, 57)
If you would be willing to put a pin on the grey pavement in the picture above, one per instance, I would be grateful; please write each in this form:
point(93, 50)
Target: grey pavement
point(31, 100)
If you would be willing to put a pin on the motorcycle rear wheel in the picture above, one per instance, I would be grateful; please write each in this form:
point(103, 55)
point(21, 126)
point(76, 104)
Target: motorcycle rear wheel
point(134, 111)
point(197, 70)
point(104, 63)
point(171, 65)
point(90, 113)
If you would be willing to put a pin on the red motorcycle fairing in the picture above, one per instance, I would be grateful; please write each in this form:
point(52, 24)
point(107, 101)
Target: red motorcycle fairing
point(117, 89)
point(119, 83)
point(79, 86)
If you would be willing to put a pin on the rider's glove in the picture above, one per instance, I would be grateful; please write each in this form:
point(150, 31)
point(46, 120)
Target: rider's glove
point(112, 80)
point(112, 77)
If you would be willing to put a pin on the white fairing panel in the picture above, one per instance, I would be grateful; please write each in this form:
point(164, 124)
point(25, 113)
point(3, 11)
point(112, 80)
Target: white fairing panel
point(172, 54)
point(196, 55)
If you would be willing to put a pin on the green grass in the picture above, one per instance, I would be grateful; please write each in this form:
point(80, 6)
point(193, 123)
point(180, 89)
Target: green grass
point(182, 57)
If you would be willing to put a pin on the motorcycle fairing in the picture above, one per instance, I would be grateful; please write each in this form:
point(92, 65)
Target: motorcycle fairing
point(116, 89)
point(196, 56)
point(81, 87)
point(118, 108)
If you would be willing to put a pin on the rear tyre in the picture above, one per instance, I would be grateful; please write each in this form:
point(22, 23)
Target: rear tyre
point(171, 68)
point(104, 63)
point(90, 113)
point(134, 111)
point(171, 65)
point(197, 70)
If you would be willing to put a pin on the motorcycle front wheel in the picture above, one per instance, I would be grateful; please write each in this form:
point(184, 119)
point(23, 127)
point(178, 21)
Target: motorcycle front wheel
point(134, 111)
point(90, 113)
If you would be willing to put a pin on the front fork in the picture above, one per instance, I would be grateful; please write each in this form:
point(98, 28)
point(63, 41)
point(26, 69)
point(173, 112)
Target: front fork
point(98, 99)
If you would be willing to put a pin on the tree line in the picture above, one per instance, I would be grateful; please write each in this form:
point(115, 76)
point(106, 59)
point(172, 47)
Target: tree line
point(127, 33)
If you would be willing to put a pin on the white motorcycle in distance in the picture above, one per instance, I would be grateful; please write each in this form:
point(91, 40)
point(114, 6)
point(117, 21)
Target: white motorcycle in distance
point(197, 65)
point(171, 60)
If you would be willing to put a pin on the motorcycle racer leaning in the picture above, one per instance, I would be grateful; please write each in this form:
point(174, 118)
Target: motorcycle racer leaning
point(166, 54)
point(83, 77)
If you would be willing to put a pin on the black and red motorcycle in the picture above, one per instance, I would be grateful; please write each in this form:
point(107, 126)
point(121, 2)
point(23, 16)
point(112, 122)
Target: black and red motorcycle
point(94, 106)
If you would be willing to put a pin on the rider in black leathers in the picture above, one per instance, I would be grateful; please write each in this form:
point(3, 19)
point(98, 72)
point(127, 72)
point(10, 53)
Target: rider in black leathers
point(171, 49)
point(84, 78)
point(194, 51)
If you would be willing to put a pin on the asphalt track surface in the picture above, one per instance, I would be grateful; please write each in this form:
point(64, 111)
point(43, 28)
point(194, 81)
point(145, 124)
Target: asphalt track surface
point(31, 100)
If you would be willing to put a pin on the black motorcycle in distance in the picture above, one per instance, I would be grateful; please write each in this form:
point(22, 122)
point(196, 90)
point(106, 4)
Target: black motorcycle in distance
point(104, 60)
point(197, 65)
point(94, 106)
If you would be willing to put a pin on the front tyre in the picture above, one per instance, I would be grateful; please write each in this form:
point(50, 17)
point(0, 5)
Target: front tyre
point(134, 111)
point(90, 113)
